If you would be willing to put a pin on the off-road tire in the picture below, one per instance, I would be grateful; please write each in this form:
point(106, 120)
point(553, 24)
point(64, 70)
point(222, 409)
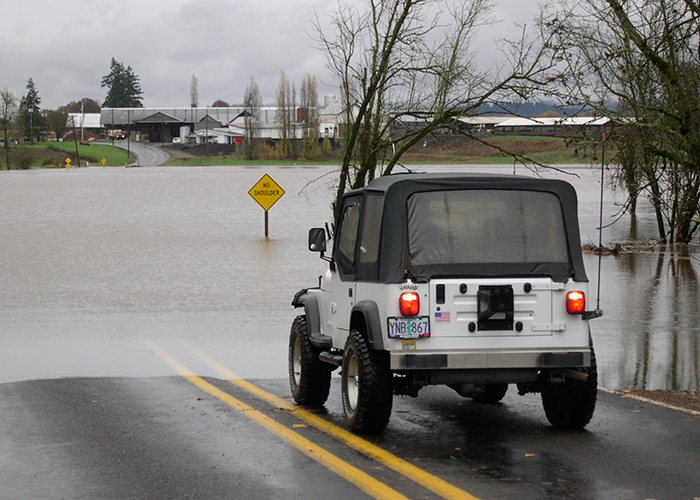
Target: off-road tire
point(309, 377)
point(493, 393)
point(571, 405)
point(367, 388)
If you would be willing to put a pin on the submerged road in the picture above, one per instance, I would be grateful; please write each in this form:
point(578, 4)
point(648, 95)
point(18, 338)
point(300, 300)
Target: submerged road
point(146, 155)
point(187, 436)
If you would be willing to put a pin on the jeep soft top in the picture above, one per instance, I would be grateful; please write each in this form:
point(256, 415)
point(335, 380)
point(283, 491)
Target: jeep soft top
point(397, 190)
point(471, 280)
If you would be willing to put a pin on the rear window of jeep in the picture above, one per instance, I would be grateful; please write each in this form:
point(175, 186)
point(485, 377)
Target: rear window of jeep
point(486, 226)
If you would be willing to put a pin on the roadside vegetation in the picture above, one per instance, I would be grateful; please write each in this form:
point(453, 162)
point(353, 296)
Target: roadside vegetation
point(54, 154)
point(442, 150)
point(456, 150)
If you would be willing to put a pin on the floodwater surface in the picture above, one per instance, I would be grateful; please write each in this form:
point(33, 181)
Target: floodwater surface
point(95, 261)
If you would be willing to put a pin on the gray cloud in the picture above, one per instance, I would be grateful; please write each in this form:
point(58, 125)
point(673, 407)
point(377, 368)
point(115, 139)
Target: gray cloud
point(66, 46)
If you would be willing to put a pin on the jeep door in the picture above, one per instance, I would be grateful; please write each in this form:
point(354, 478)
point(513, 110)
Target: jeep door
point(344, 256)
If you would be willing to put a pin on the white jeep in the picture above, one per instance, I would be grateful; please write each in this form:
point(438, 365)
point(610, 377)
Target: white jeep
point(468, 280)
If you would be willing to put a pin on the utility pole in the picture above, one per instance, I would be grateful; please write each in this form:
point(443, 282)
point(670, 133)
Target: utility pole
point(128, 134)
point(75, 140)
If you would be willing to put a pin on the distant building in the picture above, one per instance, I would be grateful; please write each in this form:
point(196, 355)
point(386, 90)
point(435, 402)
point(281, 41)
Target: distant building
point(329, 119)
point(165, 124)
point(482, 124)
point(220, 125)
point(84, 122)
point(227, 125)
point(556, 126)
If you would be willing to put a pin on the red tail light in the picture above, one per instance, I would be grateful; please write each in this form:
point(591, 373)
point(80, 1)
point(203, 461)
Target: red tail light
point(575, 302)
point(409, 304)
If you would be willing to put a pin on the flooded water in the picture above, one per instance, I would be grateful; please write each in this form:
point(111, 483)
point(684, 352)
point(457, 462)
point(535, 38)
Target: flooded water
point(96, 261)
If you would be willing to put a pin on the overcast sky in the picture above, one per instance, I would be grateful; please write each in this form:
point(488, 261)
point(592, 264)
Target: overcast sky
point(66, 46)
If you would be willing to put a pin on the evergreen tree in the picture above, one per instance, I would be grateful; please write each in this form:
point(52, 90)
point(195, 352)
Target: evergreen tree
point(31, 121)
point(123, 87)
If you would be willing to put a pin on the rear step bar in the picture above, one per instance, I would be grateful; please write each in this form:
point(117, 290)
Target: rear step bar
point(332, 359)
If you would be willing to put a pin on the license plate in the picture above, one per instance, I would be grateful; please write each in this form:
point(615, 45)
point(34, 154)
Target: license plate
point(409, 328)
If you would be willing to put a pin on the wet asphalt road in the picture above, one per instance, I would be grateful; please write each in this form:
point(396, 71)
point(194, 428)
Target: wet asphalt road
point(153, 438)
point(146, 155)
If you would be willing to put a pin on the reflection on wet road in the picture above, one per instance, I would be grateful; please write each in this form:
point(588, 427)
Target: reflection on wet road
point(363, 481)
point(94, 259)
point(191, 436)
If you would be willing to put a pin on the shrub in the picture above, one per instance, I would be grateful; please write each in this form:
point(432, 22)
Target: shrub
point(51, 163)
point(24, 161)
point(268, 152)
point(326, 146)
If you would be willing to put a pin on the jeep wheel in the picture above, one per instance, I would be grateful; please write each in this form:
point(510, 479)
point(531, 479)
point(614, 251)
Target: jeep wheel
point(570, 405)
point(493, 393)
point(309, 377)
point(366, 386)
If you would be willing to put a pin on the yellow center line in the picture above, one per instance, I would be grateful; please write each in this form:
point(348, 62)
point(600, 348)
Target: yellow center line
point(374, 488)
point(419, 476)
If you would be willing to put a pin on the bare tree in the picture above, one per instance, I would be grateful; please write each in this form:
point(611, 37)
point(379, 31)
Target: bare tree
point(406, 58)
point(194, 92)
point(293, 117)
point(8, 113)
point(285, 106)
point(252, 101)
point(638, 63)
point(308, 96)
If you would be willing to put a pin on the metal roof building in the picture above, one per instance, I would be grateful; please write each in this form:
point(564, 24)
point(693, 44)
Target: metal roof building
point(84, 120)
point(163, 124)
point(553, 125)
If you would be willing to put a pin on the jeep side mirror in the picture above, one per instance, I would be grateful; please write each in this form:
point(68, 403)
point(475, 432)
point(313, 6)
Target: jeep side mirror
point(317, 239)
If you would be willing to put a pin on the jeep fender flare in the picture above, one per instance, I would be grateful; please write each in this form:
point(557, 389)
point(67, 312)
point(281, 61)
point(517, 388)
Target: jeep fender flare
point(309, 302)
point(365, 317)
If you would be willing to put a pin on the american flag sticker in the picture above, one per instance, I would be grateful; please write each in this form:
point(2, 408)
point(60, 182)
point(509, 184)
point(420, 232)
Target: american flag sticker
point(442, 317)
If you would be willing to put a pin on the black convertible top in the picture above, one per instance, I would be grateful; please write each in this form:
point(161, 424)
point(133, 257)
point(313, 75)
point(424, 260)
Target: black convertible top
point(394, 261)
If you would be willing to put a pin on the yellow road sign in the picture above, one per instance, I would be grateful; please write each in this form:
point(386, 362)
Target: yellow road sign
point(266, 192)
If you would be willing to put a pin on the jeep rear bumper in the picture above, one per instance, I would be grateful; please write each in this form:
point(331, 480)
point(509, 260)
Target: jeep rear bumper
point(479, 359)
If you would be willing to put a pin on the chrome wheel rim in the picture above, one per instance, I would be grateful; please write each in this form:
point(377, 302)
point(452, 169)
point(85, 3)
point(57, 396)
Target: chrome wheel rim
point(352, 381)
point(296, 362)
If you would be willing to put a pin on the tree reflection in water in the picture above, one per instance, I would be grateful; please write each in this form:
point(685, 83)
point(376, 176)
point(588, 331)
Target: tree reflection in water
point(649, 337)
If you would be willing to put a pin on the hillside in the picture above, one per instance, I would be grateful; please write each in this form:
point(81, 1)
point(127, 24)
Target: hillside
point(434, 150)
point(460, 150)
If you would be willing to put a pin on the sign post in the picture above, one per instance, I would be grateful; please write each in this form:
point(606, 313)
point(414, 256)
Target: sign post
point(266, 192)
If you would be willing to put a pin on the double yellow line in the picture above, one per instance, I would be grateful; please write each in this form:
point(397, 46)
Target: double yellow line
point(363, 481)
